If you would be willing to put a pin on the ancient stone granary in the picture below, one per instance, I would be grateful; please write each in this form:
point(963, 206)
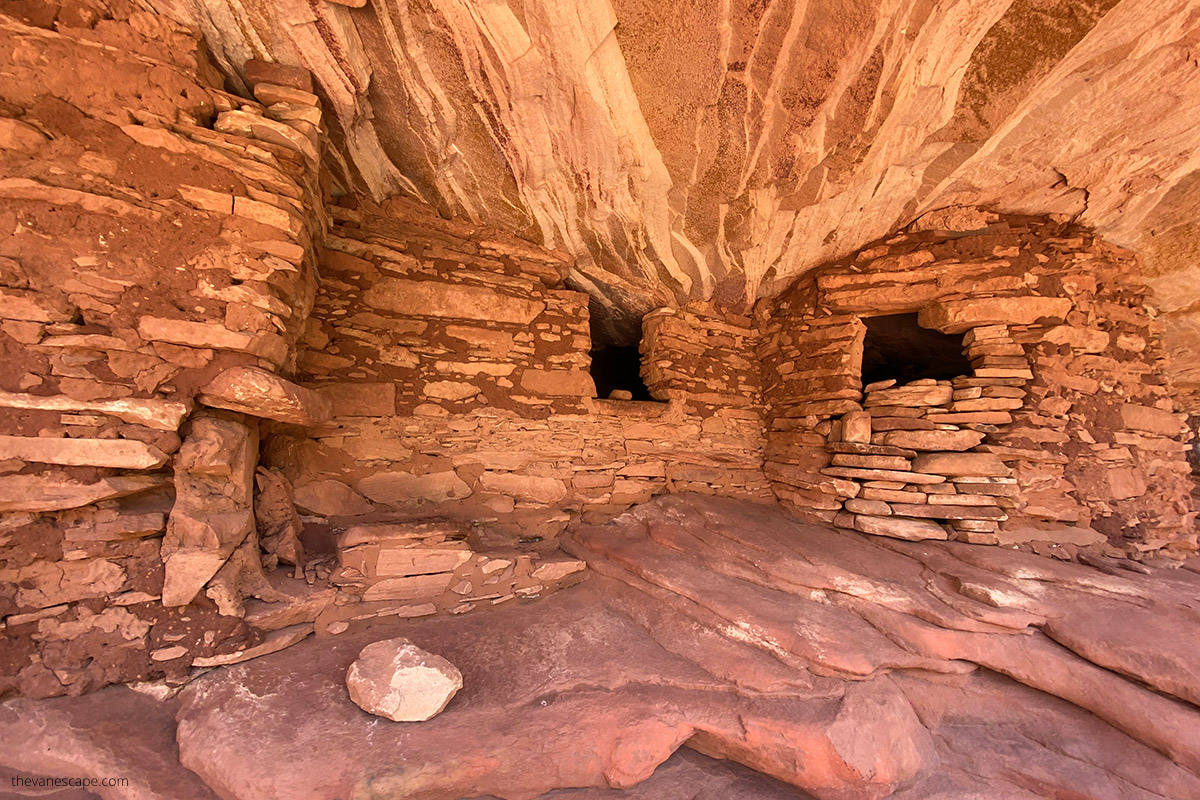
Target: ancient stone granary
point(222, 355)
point(189, 325)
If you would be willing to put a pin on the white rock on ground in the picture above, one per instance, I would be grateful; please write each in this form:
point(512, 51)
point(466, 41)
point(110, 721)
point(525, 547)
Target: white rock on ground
point(396, 679)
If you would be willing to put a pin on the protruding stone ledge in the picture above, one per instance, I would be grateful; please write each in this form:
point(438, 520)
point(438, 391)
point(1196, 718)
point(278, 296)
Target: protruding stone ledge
point(959, 316)
point(35, 493)
point(162, 415)
point(260, 393)
point(116, 453)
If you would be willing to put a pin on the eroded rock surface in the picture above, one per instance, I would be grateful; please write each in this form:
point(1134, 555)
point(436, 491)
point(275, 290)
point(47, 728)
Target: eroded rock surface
point(260, 393)
point(912, 670)
point(836, 665)
point(688, 775)
point(400, 681)
point(112, 734)
point(720, 149)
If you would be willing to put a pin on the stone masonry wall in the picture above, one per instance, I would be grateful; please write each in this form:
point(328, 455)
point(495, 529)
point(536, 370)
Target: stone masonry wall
point(517, 341)
point(1063, 435)
point(456, 366)
point(702, 357)
point(161, 273)
point(208, 368)
point(156, 245)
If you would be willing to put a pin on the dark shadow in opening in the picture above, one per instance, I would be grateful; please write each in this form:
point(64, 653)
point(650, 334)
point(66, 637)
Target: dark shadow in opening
point(618, 368)
point(897, 347)
point(615, 365)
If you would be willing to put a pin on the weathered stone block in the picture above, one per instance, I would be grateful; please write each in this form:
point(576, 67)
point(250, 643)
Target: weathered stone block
point(957, 316)
point(48, 583)
point(876, 508)
point(53, 493)
point(1150, 420)
point(984, 465)
point(558, 383)
point(331, 498)
point(359, 399)
point(933, 440)
point(450, 390)
point(898, 476)
point(213, 513)
point(397, 680)
point(32, 306)
point(163, 415)
point(873, 462)
point(911, 395)
point(525, 487)
point(399, 561)
point(259, 393)
point(549, 571)
point(898, 528)
point(116, 453)
point(402, 487)
point(457, 301)
point(210, 334)
point(934, 511)
point(856, 427)
point(416, 587)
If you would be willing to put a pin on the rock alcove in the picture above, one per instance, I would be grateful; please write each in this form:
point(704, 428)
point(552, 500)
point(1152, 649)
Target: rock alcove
point(325, 349)
point(896, 348)
point(615, 367)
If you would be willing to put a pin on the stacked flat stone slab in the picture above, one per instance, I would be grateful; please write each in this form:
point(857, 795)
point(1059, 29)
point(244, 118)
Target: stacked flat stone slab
point(812, 365)
point(417, 569)
point(170, 229)
point(702, 357)
point(526, 476)
point(911, 474)
point(429, 316)
point(450, 399)
point(1069, 390)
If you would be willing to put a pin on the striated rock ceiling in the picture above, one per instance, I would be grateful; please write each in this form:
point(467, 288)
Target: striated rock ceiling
point(719, 148)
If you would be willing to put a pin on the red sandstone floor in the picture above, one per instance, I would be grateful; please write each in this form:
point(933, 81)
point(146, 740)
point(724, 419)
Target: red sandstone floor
point(838, 664)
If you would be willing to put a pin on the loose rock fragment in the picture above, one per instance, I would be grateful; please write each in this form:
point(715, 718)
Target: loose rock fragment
point(398, 680)
point(260, 393)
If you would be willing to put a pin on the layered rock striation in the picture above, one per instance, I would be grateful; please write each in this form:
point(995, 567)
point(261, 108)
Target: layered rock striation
point(214, 367)
point(722, 150)
point(159, 236)
point(839, 664)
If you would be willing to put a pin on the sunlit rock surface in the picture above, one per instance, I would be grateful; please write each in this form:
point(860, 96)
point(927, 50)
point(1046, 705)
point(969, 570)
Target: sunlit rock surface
point(845, 665)
point(719, 149)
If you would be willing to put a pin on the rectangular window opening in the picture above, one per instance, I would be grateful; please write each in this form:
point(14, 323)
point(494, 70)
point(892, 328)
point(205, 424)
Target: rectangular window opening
point(896, 347)
point(616, 365)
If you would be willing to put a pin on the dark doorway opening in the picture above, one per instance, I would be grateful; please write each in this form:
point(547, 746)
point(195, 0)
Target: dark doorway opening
point(616, 367)
point(897, 347)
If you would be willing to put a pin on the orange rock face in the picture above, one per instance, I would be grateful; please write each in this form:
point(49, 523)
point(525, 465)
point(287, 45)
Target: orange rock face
point(355, 321)
point(260, 393)
point(733, 631)
point(740, 145)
